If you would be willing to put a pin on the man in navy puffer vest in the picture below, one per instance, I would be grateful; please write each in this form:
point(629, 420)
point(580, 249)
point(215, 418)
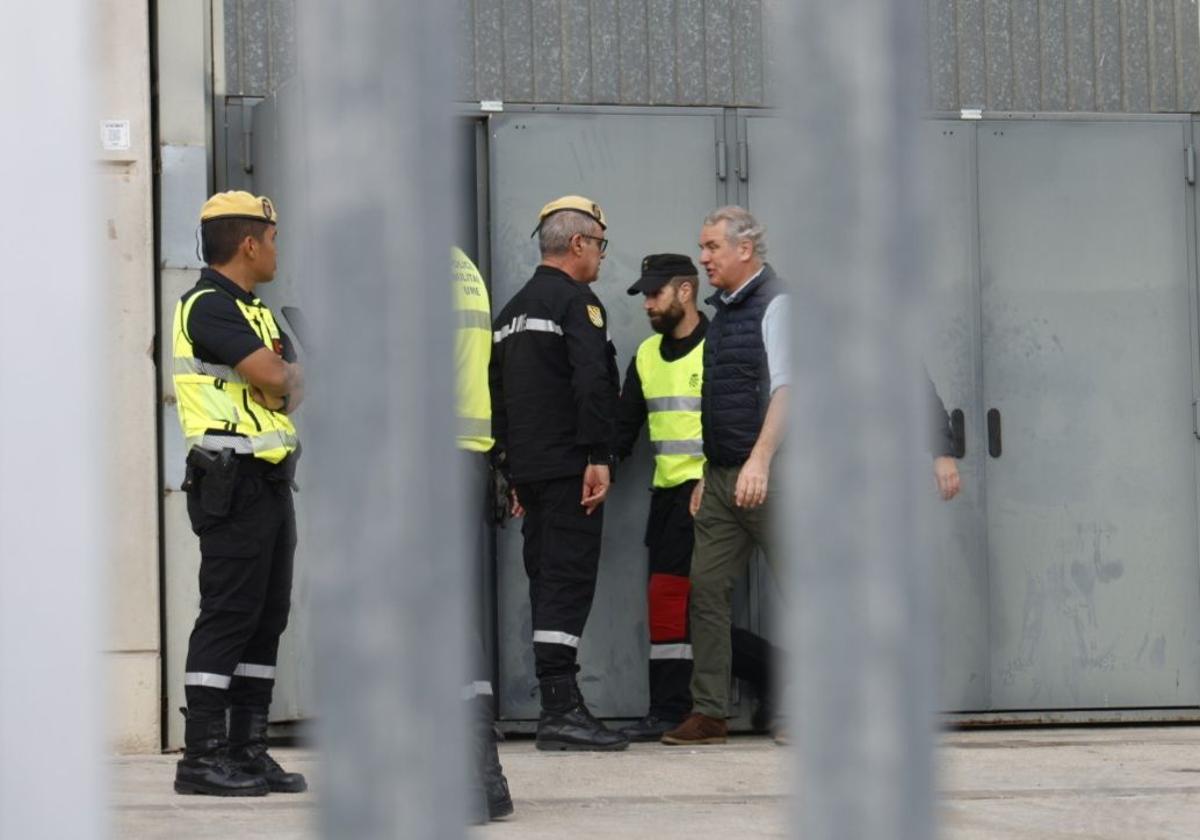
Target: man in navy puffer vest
point(743, 413)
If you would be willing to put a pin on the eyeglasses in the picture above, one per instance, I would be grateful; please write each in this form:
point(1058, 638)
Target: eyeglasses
point(603, 243)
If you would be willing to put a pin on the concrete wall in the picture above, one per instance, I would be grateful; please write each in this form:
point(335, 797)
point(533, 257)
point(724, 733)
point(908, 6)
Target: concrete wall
point(185, 83)
point(129, 431)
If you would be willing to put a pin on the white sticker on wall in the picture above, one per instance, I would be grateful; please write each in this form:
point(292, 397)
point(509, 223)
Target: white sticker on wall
point(114, 135)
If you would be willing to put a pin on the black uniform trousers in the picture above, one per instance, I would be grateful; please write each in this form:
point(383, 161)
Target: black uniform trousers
point(245, 590)
point(669, 541)
point(562, 556)
point(670, 538)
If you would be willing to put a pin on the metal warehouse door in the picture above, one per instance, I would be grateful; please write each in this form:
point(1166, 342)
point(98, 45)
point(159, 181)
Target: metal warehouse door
point(655, 176)
point(952, 357)
point(1088, 356)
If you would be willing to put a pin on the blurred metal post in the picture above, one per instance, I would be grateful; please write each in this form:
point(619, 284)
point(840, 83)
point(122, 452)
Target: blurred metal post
point(372, 153)
point(860, 623)
point(52, 544)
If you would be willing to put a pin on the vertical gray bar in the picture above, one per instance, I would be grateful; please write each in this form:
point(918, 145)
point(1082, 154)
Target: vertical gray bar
point(373, 154)
point(972, 75)
point(547, 51)
point(52, 525)
point(999, 55)
point(631, 43)
point(606, 60)
point(1054, 55)
point(577, 50)
point(1108, 55)
point(943, 55)
point(518, 51)
point(859, 626)
point(1135, 55)
point(1162, 55)
point(1187, 32)
point(1081, 69)
point(1027, 80)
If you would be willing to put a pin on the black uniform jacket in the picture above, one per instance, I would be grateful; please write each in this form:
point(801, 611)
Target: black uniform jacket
point(553, 378)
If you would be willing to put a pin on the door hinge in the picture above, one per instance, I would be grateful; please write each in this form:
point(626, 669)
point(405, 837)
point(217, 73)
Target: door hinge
point(1196, 419)
point(1189, 159)
point(721, 173)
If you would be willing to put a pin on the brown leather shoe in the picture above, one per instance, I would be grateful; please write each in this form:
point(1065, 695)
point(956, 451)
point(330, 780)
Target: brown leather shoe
point(697, 729)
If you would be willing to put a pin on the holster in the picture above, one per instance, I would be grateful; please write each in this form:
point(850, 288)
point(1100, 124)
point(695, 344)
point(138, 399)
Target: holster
point(216, 473)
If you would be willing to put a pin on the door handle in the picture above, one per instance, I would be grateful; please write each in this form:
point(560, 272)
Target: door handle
point(958, 433)
point(993, 424)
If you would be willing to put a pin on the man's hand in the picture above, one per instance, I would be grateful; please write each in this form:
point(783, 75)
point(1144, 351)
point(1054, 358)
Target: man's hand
point(515, 510)
point(751, 488)
point(697, 496)
point(596, 479)
point(945, 470)
point(267, 402)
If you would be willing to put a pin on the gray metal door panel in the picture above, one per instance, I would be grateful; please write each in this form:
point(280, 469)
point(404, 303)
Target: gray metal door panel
point(1087, 355)
point(951, 354)
point(655, 177)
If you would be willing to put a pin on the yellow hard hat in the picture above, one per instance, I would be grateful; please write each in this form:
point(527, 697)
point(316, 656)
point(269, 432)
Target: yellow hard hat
point(238, 204)
point(571, 202)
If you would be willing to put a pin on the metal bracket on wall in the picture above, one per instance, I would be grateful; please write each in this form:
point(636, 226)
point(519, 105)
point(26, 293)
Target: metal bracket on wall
point(1196, 419)
point(743, 160)
point(1189, 159)
point(721, 172)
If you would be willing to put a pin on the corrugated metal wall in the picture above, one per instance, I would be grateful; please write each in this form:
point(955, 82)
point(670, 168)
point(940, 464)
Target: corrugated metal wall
point(260, 45)
point(651, 52)
point(630, 52)
point(1134, 56)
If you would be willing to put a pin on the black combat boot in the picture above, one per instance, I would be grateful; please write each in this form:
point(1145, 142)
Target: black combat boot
point(487, 769)
point(206, 768)
point(566, 723)
point(248, 750)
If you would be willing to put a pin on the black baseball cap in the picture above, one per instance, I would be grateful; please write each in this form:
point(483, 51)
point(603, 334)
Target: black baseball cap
point(658, 269)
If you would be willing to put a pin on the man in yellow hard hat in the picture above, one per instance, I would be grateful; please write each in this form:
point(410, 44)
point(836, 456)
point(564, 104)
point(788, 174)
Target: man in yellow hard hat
point(237, 382)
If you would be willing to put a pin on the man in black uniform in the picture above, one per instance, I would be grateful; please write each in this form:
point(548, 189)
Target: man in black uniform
point(236, 382)
point(553, 378)
point(662, 387)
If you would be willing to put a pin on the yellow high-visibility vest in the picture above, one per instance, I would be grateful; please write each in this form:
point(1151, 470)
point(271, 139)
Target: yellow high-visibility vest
point(215, 398)
point(472, 352)
point(672, 392)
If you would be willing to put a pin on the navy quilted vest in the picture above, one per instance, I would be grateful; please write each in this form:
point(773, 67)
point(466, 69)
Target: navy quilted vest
point(737, 384)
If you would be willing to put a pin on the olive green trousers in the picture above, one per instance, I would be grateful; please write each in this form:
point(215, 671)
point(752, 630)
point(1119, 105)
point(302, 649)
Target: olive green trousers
point(726, 537)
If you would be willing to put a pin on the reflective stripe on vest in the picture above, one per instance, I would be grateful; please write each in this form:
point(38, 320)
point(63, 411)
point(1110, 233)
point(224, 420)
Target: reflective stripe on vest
point(672, 393)
point(215, 398)
point(472, 352)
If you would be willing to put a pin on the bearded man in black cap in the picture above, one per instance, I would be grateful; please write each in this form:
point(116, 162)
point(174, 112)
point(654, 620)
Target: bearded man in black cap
point(662, 388)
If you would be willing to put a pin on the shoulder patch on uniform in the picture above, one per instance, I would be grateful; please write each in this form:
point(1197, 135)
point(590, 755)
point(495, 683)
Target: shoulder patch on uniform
point(595, 316)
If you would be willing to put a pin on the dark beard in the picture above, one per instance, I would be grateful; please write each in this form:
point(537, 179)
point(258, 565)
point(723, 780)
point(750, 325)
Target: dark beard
point(667, 321)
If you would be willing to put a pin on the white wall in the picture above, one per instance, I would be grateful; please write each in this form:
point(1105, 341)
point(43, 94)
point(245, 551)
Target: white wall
point(129, 434)
point(184, 134)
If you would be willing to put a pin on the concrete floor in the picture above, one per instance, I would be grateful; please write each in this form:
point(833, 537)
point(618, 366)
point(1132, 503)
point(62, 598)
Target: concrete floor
point(1126, 783)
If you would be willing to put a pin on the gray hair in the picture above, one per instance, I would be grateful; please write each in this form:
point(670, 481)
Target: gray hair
point(739, 224)
point(554, 237)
